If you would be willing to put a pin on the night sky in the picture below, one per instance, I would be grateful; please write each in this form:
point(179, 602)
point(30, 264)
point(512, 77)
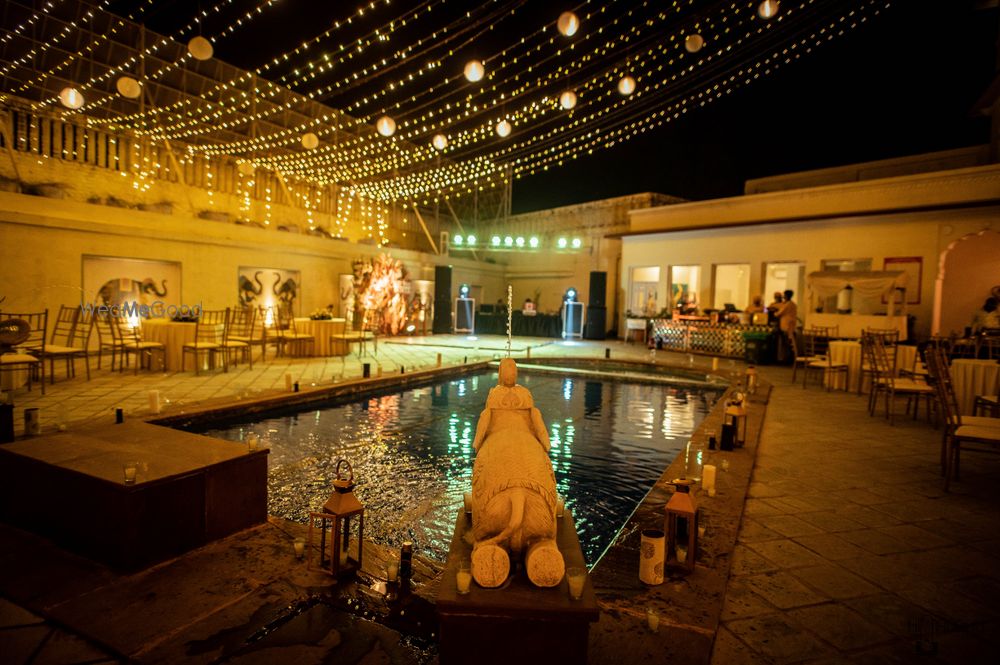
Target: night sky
point(901, 84)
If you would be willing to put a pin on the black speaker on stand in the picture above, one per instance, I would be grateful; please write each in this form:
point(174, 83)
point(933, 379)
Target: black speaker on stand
point(442, 300)
point(597, 314)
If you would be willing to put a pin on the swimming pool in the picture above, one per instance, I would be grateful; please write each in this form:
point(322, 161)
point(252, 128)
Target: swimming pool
point(412, 452)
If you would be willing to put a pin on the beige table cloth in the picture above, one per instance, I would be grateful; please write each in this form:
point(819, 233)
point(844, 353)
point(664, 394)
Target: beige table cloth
point(973, 377)
point(173, 335)
point(322, 330)
point(849, 352)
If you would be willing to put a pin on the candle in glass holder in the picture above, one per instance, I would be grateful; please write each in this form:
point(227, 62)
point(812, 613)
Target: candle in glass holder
point(681, 554)
point(288, 382)
point(253, 441)
point(130, 469)
point(154, 401)
point(392, 570)
point(652, 619)
point(300, 547)
point(467, 501)
point(560, 507)
point(575, 578)
point(463, 578)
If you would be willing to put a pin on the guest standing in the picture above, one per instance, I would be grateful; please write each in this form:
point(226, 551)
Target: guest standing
point(788, 321)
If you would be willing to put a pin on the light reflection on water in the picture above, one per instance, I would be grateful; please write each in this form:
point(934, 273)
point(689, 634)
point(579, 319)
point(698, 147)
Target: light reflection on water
point(412, 453)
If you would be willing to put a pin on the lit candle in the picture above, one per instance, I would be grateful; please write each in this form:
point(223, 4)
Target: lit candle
point(253, 441)
point(560, 507)
point(715, 364)
point(154, 401)
point(392, 570)
point(130, 470)
point(708, 478)
point(575, 577)
point(288, 382)
point(300, 547)
point(682, 554)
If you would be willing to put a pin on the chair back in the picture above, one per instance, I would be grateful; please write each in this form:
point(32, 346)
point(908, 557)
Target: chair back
point(64, 326)
point(816, 343)
point(241, 322)
point(211, 326)
point(939, 374)
point(121, 331)
point(38, 325)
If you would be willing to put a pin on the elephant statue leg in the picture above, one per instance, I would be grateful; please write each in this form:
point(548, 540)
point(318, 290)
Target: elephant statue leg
point(490, 565)
point(544, 563)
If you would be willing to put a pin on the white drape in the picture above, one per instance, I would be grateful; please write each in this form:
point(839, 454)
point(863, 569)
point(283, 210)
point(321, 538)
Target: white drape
point(828, 283)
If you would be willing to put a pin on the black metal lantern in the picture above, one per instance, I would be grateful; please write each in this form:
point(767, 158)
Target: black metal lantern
point(681, 526)
point(339, 511)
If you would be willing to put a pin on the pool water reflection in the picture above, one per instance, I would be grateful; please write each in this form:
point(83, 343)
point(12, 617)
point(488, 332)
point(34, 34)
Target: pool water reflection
point(412, 452)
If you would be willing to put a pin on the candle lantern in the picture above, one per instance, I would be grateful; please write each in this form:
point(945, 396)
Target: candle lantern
point(681, 525)
point(735, 420)
point(339, 512)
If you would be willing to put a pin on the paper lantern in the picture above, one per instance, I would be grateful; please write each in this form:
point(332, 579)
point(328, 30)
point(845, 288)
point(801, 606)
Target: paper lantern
point(246, 168)
point(71, 98)
point(128, 87)
point(568, 24)
point(440, 141)
point(200, 48)
point(768, 9)
point(386, 126)
point(309, 141)
point(567, 100)
point(693, 43)
point(503, 129)
point(626, 85)
point(474, 71)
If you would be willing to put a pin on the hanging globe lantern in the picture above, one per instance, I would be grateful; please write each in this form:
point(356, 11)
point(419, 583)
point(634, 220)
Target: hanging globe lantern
point(246, 168)
point(567, 100)
point(200, 48)
point(767, 9)
point(474, 70)
point(71, 98)
point(626, 85)
point(128, 87)
point(503, 129)
point(440, 141)
point(568, 24)
point(693, 43)
point(310, 141)
point(386, 126)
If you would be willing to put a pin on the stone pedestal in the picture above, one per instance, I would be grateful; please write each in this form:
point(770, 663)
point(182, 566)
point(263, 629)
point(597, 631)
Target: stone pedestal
point(517, 622)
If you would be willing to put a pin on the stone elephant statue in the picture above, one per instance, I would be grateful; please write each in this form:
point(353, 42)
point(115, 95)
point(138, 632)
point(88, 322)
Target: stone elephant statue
point(513, 488)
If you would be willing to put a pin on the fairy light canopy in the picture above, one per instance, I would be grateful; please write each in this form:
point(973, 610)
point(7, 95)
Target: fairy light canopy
point(400, 101)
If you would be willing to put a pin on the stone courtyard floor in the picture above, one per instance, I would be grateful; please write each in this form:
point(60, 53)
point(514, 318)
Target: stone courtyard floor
point(848, 551)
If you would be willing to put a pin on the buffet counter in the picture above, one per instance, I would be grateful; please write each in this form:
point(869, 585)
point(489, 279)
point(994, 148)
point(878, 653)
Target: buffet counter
point(702, 336)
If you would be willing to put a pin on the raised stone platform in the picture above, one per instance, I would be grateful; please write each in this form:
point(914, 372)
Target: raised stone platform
point(189, 490)
point(516, 622)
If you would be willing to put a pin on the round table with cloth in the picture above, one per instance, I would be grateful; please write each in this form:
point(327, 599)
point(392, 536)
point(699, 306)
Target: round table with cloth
point(973, 377)
point(849, 352)
point(173, 335)
point(322, 330)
